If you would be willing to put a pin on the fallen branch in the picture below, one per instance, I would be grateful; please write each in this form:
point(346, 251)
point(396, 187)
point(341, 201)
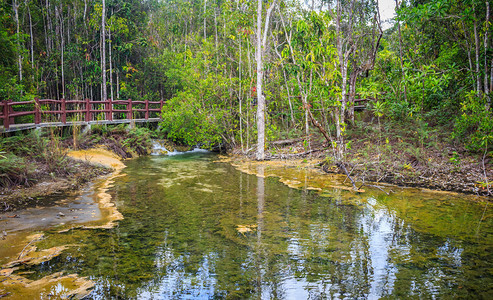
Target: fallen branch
point(351, 172)
point(484, 171)
point(283, 156)
point(286, 142)
point(375, 186)
point(305, 153)
point(34, 240)
point(340, 165)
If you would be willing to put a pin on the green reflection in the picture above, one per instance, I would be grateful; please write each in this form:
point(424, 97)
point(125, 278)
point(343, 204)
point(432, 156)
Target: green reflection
point(181, 239)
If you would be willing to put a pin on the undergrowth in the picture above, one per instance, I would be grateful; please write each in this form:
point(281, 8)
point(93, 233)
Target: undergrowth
point(125, 142)
point(27, 157)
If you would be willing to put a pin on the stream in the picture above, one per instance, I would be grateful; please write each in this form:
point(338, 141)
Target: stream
point(195, 228)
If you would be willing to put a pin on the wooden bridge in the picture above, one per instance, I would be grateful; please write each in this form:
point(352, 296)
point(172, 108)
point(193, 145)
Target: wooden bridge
point(54, 113)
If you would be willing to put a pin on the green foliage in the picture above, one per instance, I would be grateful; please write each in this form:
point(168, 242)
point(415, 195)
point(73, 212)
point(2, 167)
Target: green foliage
point(475, 124)
point(14, 171)
point(139, 140)
point(45, 150)
point(202, 63)
point(378, 109)
point(426, 86)
point(30, 145)
point(455, 159)
point(185, 121)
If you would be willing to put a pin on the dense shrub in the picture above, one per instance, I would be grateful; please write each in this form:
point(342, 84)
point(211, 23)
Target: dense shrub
point(15, 171)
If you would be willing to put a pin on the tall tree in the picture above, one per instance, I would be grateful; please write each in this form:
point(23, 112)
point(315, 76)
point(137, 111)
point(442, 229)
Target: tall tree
point(19, 50)
point(261, 42)
point(104, 93)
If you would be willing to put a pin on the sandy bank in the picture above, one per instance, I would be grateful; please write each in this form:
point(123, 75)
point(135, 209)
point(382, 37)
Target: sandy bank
point(98, 156)
point(21, 248)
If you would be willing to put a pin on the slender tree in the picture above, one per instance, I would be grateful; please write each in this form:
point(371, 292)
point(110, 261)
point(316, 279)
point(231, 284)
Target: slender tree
point(261, 42)
point(104, 93)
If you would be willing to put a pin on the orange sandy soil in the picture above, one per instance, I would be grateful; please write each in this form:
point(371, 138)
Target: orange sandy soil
point(22, 247)
point(392, 160)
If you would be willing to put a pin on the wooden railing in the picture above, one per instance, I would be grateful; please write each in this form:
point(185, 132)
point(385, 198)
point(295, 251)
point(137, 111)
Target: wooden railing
point(48, 110)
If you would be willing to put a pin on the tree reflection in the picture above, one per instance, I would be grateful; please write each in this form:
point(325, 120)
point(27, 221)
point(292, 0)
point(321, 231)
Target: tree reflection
point(180, 239)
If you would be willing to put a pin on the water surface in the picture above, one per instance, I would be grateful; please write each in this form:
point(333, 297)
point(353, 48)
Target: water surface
point(197, 229)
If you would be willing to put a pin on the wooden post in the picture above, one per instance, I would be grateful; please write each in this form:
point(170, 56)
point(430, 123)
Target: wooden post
point(37, 111)
point(110, 107)
point(64, 111)
point(6, 118)
point(147, 109)
point(161, 106)
point(88, 110)
point(106, 107)
point(129, 110)
point(11, 111)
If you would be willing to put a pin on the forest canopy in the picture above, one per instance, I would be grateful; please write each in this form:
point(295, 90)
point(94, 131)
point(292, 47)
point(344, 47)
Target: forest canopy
point(432, 67)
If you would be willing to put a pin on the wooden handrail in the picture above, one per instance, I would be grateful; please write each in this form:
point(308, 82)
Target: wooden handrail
point(61, 108)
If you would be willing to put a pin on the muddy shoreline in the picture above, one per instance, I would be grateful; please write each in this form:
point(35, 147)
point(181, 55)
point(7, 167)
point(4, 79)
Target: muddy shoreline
point(88, 208)
point(437, 172)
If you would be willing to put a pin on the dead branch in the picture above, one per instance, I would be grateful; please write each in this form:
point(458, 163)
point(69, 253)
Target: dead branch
point(283, 156)
point(287, 142)
point(341, 165)
point(375, 186)
point(32, 241)
point(484, 172)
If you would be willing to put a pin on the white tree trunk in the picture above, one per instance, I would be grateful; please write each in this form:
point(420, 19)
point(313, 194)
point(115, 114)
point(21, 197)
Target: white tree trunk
point(486, 88)
point(476, 41)
point(19, 56)
point(104, 93)
point(62, 49)
point(240, 94)
point(260, 96)
point(31, 36)
point(205, 20)
point(111, 65)
point(261, 45)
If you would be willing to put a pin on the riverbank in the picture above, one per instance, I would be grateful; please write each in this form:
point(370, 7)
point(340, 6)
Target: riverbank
point(40, 164)
point(18, 197)
point(21, 236)
point(443, 167)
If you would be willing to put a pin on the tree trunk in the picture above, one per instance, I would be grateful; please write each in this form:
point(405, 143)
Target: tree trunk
point(104, 93)
point(486, 88)
point(111, 64)
point(477, 44)
point(31, 37)
point(261, 45)
point(62, 48)
point(205, 20)
point(260, 96)
point(469, 55)
point(343, 65)
point(19, 55)
point(240, 94)
point(353, 77)
point(403, 74)
point(308, 113)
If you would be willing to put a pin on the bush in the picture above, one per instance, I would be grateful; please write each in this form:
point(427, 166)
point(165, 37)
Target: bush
point(475, 125)
point(15, 171)
point(185, 121)
point(139, 140)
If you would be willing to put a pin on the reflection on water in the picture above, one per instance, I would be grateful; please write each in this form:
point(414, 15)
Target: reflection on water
point(195, 229)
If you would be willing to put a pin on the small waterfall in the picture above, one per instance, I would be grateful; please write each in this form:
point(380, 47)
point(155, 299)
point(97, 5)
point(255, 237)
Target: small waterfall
point(158, 148)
